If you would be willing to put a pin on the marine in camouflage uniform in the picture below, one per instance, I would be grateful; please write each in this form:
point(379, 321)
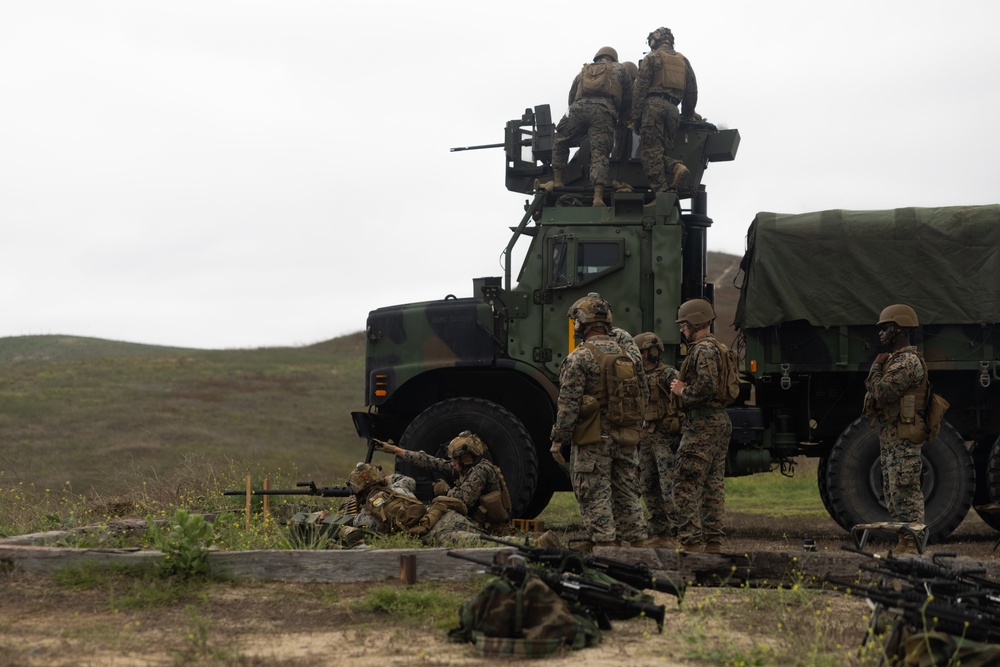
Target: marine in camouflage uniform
point(699, 477)
point(658, 441)
point(897, 394)
point(604, 475)
point(593, 116)
point(386, 509)
point(664, 81)
point(475, 480)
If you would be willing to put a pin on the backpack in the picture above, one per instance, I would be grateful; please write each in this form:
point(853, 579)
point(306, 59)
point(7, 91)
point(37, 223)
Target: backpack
point(620, 390)
point(935, 406)
point(523, 618)
point(729, 373)
point(599, 80)
point(729, 385)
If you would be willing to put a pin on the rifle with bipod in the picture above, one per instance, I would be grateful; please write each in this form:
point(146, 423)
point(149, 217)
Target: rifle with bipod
point(637, 575)
point(600, 600)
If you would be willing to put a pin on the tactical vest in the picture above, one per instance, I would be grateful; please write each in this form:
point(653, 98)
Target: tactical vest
point(656, 408)
point(492, 511)
point(913, 400)
point(715, 401)
point(671, 77)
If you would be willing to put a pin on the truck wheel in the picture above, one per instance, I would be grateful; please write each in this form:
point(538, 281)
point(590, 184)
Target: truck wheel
point(510, 446)
point(824, 489)
point(988, 481)
point(854, 480)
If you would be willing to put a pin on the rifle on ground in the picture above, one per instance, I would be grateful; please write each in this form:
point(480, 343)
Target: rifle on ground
point(599, 599)
point(565, 560)
point(923, 612)
point(304, 489)
point(933, 569)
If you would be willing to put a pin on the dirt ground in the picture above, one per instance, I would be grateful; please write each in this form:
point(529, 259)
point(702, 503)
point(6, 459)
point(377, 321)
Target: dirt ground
point(266, 623)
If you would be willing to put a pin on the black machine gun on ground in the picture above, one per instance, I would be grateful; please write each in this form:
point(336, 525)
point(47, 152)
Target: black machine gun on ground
point(602, 601)
point(921, 595)
point(303, 489)
point(565, 560)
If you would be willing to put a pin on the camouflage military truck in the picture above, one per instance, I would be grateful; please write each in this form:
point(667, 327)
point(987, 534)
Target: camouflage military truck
point(490, 362)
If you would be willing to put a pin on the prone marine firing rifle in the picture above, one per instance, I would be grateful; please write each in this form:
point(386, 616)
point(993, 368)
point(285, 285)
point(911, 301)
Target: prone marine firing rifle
point(304, 489)
point(602, 601)
point(564, 560)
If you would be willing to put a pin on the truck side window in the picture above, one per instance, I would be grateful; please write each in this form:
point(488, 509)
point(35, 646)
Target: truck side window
point(574, 262)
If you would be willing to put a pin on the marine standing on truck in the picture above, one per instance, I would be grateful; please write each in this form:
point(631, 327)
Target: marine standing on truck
point(477, 481)
point(897, 396)
point(699, 476)
point(656, 446)
point(605, 471)
point(601, 94)
point(665, 80)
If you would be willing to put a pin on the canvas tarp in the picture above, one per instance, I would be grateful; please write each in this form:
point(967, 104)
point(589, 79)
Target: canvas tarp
point(842, 267)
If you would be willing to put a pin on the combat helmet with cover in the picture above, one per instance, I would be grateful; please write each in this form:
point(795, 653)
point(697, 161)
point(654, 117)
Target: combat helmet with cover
point(660, 35)
point(364, 476)
point(589, 310)
point(899, 314)
point(467, 448)
point(649, 341)
point(696, 312)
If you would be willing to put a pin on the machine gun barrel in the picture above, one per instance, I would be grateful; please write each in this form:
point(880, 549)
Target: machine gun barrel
point(305, 489)
point(523, 142)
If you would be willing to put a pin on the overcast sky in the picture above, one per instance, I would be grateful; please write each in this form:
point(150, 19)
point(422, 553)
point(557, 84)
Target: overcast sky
point(220, 174)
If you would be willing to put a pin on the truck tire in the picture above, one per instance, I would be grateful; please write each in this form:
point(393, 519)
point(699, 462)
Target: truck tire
point(854, 480)
point(510, 446)
point(988, 481)
point(824, 489)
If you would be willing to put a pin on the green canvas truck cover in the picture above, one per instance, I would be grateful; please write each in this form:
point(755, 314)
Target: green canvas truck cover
point(840, 267)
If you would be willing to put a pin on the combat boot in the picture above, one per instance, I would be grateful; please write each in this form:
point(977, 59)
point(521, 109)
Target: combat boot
point(681, 175)
point(653, 542)
point(557, 178)
point(599, 195)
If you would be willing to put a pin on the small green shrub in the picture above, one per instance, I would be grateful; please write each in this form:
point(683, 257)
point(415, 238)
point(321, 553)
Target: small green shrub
point(184, 546)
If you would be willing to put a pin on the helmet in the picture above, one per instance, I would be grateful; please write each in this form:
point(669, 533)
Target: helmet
point(648, 340)
point(899, 313)
point(630, 67)
point(696, 312)
point(590, 309)
point(660, 35)
point(466, 447)
point(606, 51)
point(364, 476)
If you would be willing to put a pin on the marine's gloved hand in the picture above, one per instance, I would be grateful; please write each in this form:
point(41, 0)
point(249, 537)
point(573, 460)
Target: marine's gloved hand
point(441, 488)
point(386, 447)
point(556, 451)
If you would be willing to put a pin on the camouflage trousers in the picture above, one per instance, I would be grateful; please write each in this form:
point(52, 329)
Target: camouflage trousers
point(901, 467)
point(699, 478)
point(587, 118)
point(660, 120)
point(605, 479)
point(656, 479)
point(452, 529)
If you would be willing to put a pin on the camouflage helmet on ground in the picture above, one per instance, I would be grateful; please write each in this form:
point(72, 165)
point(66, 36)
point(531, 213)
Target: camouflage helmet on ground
point(660, 35)
point(591, 309)
point(606, 51)
point(696, 312)
point(631, 68)
point(649, 340)
point(364, 476)
point(466, 447)
point(900, 314)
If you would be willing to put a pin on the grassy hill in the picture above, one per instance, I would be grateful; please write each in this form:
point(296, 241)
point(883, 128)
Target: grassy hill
point(103, 414)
